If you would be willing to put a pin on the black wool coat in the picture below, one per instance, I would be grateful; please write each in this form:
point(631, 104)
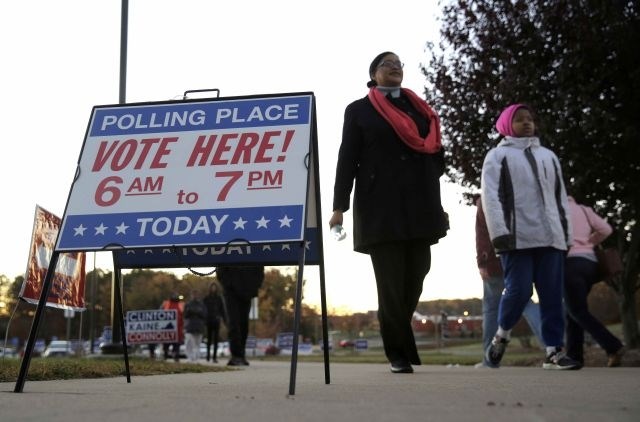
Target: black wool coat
point(397, 190)
point(241, 281)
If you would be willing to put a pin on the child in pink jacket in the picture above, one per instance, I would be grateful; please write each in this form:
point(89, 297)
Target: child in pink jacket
point(581, 273)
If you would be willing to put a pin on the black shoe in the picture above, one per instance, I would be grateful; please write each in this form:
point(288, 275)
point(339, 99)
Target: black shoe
point(558, 360)
point(401, 367)
point(495, 351)
point(579, 361)
point(236, 361)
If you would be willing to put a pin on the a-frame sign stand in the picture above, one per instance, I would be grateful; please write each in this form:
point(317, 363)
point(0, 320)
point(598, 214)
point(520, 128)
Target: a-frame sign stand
point(185, 175)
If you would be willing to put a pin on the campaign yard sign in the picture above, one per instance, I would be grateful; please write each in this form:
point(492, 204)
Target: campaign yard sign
point(361, 344)
point(152, 326)
point(192, 173)
point(68, 282)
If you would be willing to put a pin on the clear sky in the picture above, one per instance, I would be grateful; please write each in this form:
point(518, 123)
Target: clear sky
point(61, 58)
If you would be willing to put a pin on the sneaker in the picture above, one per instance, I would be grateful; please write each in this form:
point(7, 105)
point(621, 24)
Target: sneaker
point(558, 360)
point(495, 351)
point(401, 366)
point(615, 359)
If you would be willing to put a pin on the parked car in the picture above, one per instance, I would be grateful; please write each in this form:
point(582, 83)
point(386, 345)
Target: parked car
point(58, 348)
point(64, 348)
point(346, 343)
point(9, 352)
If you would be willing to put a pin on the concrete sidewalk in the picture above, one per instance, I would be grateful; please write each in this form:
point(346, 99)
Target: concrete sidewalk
point(357, 392)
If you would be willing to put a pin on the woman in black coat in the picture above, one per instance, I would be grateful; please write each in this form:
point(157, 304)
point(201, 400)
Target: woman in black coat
point(241, 285)
point(391, 148)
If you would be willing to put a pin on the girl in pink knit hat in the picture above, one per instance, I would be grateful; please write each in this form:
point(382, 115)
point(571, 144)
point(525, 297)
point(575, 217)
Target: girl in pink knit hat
point(526, 210)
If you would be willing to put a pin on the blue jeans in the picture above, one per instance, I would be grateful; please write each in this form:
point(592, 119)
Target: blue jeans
point(544, 268)
point(492, 292)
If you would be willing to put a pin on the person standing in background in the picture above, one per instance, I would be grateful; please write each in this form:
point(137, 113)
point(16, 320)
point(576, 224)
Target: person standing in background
point(215, 313)
point(391, 148)
point(195, 316)
point(175, 302)
point(581, 273)
point(493, 285)
point(240, 284)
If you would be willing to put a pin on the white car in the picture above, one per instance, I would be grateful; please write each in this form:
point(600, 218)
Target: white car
point(9, 352)
point(58, 348)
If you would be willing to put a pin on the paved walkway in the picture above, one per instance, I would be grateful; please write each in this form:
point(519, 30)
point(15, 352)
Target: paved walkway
point(357, 392)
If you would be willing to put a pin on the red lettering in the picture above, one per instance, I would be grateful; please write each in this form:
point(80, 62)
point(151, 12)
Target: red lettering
point(238, 148)
point(202, 149)
point(102, 157)
point(222, 148)
point(120, 155)
point(126, 151)
point(146, 146)
point(245, 144)
point(162, 151)
point(266, 145)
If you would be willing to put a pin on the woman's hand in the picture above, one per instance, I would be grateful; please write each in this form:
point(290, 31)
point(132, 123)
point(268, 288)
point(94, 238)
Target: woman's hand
point(336, 218)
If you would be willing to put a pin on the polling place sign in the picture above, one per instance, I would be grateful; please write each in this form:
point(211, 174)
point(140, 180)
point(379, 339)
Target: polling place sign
point(191, 173)
point(152, 326)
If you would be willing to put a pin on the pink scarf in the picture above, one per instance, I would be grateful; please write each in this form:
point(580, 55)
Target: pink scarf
point(404, 126)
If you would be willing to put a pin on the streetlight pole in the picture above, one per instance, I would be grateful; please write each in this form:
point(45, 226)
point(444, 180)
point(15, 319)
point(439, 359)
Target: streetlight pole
point(122, 98)
point(124, 25)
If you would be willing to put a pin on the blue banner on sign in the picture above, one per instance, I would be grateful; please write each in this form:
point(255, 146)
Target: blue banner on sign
point(212, 256)
point(180, 117)
point(196, 227)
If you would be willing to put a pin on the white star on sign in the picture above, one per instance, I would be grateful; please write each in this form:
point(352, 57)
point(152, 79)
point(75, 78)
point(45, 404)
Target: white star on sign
point(262, 222)
point(121, 229)
point(266, 247)
point(285, 221)
point(79, 231)
point(100, 229)
point(239, 223)
point(285, 247)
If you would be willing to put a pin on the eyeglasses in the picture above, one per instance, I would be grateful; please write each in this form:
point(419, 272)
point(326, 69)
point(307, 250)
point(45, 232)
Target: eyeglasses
point(391, 64)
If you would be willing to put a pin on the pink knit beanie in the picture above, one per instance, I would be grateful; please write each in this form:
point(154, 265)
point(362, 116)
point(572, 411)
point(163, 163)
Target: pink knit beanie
point(506, 117)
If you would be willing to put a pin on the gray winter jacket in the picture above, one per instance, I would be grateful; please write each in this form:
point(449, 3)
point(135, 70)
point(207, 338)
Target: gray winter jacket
point(523, 196)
